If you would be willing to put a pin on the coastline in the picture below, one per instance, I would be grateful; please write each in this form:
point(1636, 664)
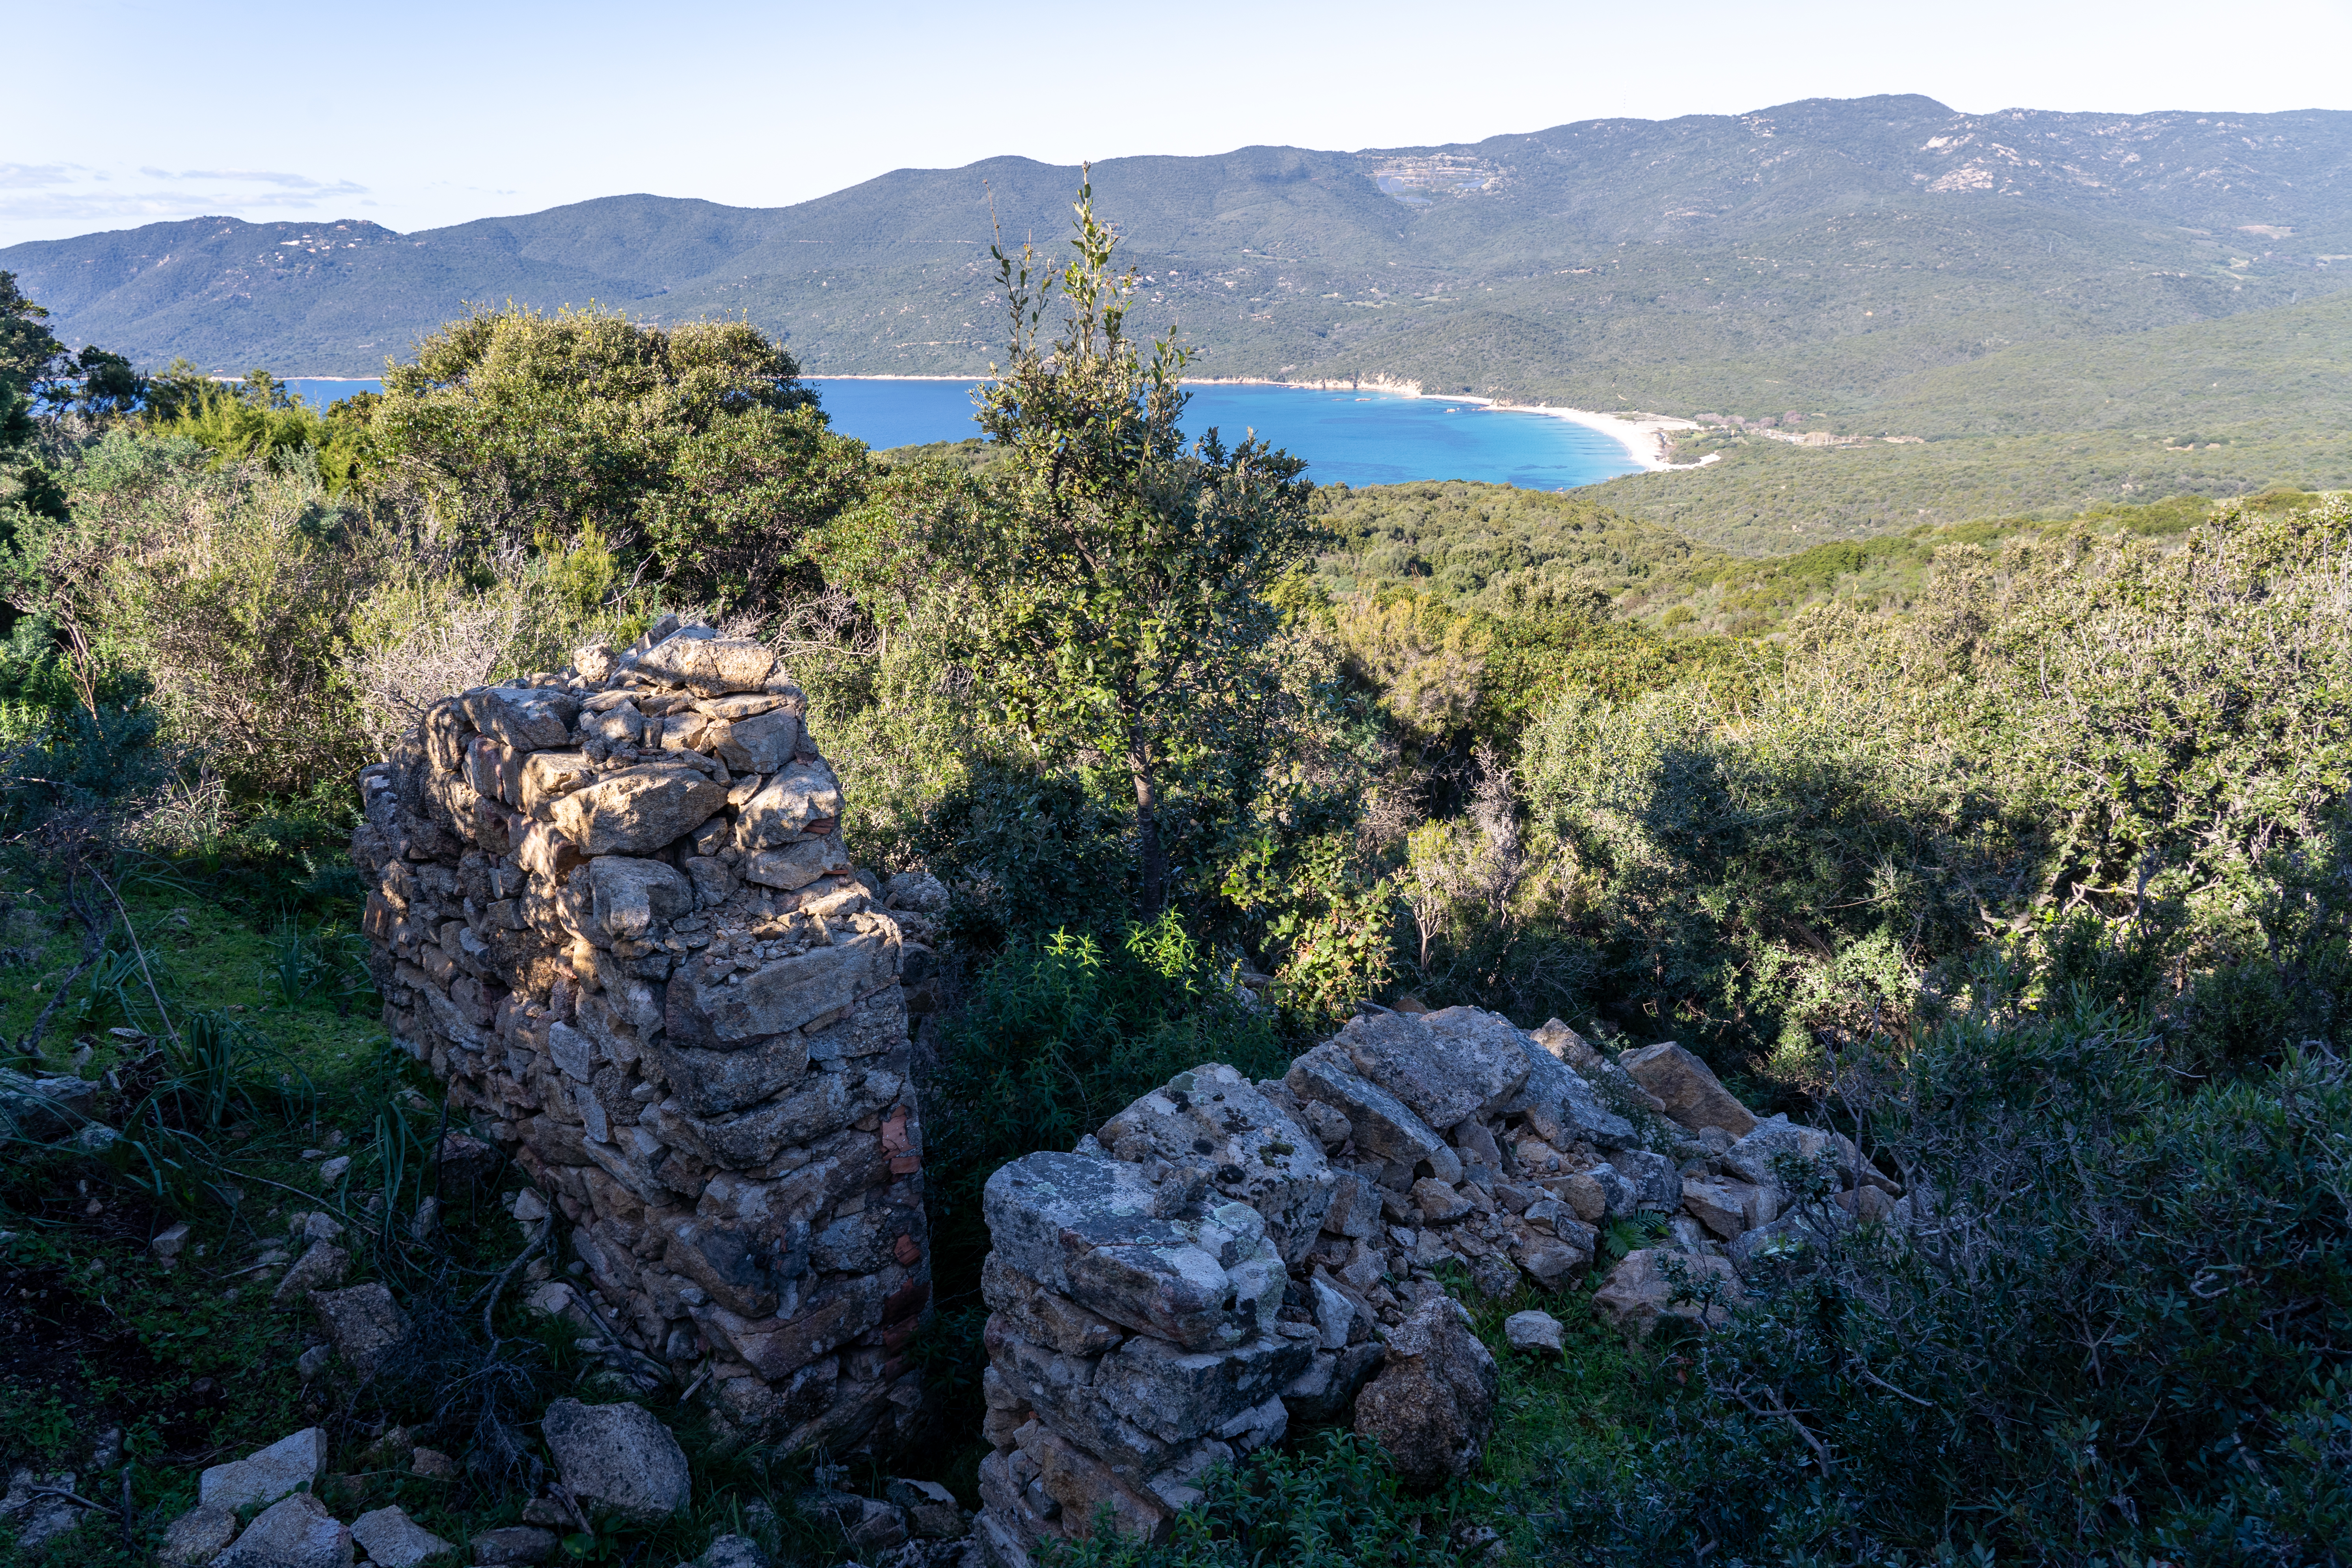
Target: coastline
point(1644, 437)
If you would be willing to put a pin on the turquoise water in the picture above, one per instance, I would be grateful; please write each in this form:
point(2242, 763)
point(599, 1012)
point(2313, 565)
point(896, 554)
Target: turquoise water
point(319, 394)
point(1347, 437)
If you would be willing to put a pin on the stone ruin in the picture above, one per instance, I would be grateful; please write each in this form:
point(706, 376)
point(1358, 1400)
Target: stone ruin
point(611, 907)
point(1226, 1261)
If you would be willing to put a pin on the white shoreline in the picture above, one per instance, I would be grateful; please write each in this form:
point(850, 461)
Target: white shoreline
point(1644, 435)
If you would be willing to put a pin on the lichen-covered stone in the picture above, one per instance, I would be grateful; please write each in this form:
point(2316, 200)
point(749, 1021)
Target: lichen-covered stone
point(1688, 1088)
point(1212, 1119)
point(619, 1456)
point(524, 718)
point(709, 665)
point(1656, 1282)
point(795, 865)
point(786, 806)
point(294, 1532)
point(782, 993)
point(267, 1474)
point(1447, 1065)
point(1382, 1124)
point(637, 810)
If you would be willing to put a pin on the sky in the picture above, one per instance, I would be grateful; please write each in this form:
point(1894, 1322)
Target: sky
point(425, 113)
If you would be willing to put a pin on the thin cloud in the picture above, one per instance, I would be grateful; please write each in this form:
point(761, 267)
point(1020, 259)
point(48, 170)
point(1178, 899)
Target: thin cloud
point(279, 178)
point(98, 206)
point(25, 176)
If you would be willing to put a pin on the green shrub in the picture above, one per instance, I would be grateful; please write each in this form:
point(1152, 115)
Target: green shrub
point(260, 422)
point(1028, 850)
point(1335, 1505)
point(1057, 1035)
point(1756, 879)
point(232, 590)
point(57, 754)
point(2115, 1334)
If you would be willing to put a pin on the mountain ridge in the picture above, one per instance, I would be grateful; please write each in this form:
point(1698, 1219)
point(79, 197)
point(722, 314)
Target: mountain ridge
point(329, 297)
point(1874, 266)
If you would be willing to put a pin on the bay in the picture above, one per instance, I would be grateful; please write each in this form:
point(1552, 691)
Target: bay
point(1347, 436)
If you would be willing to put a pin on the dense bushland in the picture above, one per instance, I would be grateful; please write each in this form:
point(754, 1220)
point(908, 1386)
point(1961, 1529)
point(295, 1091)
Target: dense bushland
point(2018, 851)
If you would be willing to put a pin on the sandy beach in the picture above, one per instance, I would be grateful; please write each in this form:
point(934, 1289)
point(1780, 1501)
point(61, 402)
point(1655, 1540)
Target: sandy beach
point(1644, 437)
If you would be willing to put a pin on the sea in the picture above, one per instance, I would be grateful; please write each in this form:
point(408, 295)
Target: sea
point(1347, 436)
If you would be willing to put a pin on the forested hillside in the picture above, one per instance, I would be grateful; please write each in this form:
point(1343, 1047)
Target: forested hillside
point(2056, 290)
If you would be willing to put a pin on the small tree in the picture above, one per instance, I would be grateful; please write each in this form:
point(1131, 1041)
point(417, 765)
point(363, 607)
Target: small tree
point(1111, 596)
point(693, 450)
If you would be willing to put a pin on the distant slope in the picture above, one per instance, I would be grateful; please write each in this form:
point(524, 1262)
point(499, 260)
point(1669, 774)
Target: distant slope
point(1493, 548)
point(1496, 548)
point(1994, 282)
point(1860, 240)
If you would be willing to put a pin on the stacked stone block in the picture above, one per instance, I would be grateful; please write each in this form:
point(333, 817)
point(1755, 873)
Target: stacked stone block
point(612, 909)
point(1225, 1259)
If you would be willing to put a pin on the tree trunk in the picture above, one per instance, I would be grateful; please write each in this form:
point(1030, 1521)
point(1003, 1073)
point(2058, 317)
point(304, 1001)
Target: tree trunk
point(1152, 859)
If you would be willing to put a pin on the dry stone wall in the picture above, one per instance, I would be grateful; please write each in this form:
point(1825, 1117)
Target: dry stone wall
point(612, 909)
point(1225, 1259)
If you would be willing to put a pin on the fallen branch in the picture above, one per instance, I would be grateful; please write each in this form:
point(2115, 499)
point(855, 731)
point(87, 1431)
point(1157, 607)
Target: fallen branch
point(69, 1496)
point(497, 1286)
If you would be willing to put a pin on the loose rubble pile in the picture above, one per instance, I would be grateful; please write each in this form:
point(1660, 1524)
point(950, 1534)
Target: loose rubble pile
point(1223, 1258)
point(613, 909)
point(271, 1509)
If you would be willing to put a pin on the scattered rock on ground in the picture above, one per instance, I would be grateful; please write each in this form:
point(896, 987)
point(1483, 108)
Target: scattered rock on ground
point(296, 1531)
point(432, 1464)
point(267, 1474)
point(1532, 1332)
point(465, 1161)
point(393, 1540)
point(1642, 1289)
point(512, 1544)
point(869, 1524)
point(618, 1454)
point(1688, 1088)
point(732, 1552)
point(365, 1323)
point(932, 1509)
point(40, 1518)
point(197, 1536)
point(1433, 1405)
point(965, 1553)
point(319, 1268)
point(45, 1107)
